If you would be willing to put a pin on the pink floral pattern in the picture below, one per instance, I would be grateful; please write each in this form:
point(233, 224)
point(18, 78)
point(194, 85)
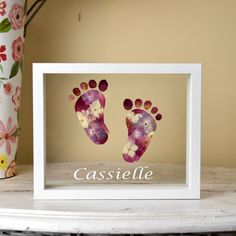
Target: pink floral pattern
point(3, 6)
point(7, 135)
point(16, 17)
point(3, 56)
point(17, 49)
point(8, 87)
point(16, 98)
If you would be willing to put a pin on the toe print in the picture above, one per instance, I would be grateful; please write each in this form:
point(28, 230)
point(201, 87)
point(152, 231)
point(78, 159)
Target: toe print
point(90, 109)
point(141, 126)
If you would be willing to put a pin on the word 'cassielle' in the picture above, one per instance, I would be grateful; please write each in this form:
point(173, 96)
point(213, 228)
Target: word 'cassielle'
point(139, 173)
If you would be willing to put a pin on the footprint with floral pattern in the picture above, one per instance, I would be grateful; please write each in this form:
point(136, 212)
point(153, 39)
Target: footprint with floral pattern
point(141, 124)
point(89, 108)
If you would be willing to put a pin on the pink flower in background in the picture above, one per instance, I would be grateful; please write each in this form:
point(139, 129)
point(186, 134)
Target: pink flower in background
point(16, 16)
point(8, 88)
point(3, 56)
point(16, 98)
point(3, 6)
point(7, 135)
point(17, 49)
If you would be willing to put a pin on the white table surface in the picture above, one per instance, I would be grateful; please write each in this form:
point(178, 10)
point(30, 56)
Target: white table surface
point(216, 211)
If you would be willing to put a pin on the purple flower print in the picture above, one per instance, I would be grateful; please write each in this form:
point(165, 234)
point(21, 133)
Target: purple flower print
point(90, 107)
point(141, 128)
point(148, 123)
point(90, 97)
point(138, 133)
point(97, 132)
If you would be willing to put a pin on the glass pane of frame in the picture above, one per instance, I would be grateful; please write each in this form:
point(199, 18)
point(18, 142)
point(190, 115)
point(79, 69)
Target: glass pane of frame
point(137, 136)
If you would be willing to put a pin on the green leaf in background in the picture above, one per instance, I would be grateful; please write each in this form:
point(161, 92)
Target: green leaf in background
point(1, 69)
point(5, 26)
point(3, 78)
point(14, 69)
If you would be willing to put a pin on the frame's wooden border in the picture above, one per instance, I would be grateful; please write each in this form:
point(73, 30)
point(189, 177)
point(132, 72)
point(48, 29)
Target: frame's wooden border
point(190, 190)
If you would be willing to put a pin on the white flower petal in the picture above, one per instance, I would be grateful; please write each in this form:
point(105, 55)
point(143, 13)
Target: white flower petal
point(95, 105)
point(133, 117)
point(127, 148)
point(151, 134)
point(83, 120)
point(134, 147)
point(131, 153)
point(96, 108)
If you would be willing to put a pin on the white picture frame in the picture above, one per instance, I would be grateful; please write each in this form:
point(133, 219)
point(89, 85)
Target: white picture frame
point(190, 190)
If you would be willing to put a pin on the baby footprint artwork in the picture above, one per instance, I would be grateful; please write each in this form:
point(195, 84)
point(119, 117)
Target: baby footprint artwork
point(89, 108)
point(141, 124)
